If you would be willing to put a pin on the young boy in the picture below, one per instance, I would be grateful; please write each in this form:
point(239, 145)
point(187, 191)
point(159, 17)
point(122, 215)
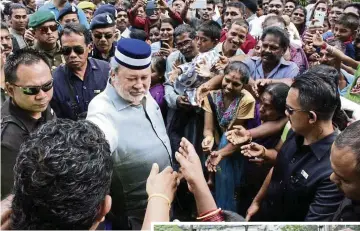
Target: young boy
point(208, 36)
point(345, 30)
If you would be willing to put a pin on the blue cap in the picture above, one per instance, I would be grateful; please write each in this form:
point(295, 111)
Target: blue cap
point(133, 53)
point(102, 21)
point(69, 9)
point(106, 8)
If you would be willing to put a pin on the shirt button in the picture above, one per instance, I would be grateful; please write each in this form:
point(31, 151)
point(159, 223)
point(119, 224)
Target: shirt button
point(84, 87)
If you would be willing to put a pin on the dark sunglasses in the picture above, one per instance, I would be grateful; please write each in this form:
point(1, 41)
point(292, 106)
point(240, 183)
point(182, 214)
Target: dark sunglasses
point(35, 90)
point(291, 111)
point(45, 29)
point(100, 36)
point(77, 49)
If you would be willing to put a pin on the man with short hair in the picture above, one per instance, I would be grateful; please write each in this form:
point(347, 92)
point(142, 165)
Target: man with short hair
point(336, 11)
point(298, 187)
point(103, 36)
point(30, 87)
point(122, 21)
point(233, 11)
point(207, 13)
point(289, 7)
point(82, 78)
point(352, 8)
point(44, 29)
point(271, 66)
point(56, 6)
point(62, 178)
point(69, 14)
point(134, 128)
point(251, 8)
point(6, 40)
point(18, 21)
point(344, 157)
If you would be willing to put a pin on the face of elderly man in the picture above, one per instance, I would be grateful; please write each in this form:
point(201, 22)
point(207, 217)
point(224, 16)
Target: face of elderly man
point(131, 85)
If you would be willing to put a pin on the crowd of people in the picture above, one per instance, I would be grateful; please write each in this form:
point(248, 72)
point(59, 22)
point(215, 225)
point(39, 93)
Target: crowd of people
point(117, 114)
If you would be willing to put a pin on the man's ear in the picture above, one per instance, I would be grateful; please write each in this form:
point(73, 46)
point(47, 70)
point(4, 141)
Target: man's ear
point(9, 89)
point(104, 208)
point(90, 47)
point(312, 117)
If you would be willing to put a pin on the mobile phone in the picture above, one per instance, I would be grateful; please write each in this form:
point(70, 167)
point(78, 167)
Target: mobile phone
point(164, 44)
point(319, 16)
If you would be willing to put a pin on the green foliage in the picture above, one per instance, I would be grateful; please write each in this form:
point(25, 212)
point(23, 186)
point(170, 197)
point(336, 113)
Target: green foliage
point(167, 228)
point(299, 228)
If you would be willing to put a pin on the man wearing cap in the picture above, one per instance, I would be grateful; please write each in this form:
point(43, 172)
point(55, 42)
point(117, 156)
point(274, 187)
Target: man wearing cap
point(132, 123)
point(88, 8)
point(78, 81)
point(44, 28)
point(68, 15)
point(57, 5)
point(103, 36)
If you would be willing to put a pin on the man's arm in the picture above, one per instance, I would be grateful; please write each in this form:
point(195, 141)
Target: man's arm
point(326, 202)
point(268, 128)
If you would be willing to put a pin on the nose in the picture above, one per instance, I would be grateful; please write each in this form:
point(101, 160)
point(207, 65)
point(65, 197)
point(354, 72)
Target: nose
point(41, 95)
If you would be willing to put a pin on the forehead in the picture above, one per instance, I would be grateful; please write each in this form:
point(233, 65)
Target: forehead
point(122, 13)
point(104, 30)
point(154, 29)
point(34, 74)
point(72, 38)
point(343, 160)
point(4, 32)
point(233, 76)
point(292, 98)
point(182, 37)
point(270, 38)
point(130, 73)
point(290, 4)
point(232, 9)
point(19, 12)
point(238, 28)
point(335, 8)
point(266, 98)
point(276, 2)
point(341, 26)
point(322, 5)
point(352, 9)
point(178, 2)
point(299, 11)
point(69, 16)
point(166, 25)
point(210, 5)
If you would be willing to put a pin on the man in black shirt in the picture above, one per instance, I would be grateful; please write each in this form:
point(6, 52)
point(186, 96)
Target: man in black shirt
point(298, 187)
point(30, 87)
point(345, 161)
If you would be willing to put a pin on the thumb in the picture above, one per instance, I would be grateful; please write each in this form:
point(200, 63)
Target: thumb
point(180, 158)
point(248, 216)
point(154, 170)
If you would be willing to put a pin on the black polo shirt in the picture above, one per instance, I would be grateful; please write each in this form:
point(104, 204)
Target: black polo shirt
point(300, 187)
point(12, 136)
point(348, 210)
point(96, 54)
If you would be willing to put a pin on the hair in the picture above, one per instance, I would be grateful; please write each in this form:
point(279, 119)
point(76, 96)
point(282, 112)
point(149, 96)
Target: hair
point(303, 26)
point(251, 5)
point(211, 2)
point(170, 21)
point(355, 5)
point(271, 19)
point(61, 177)
point(26, 56)
point(240, 68)
point(159, 63)
point(240, 22)
point(282, 1)
point(317, 94)
point(211, 29)
point(77, 29)
point(138, 34)
point(316, 4)
point(182, 29)
point(349, 20)
point(278, 92)
point(3, 26)
point(125, 6)
point(238, 5)
point(339, 4)
point(278, 32)
point(296, 2)
point(350, 138)
point(15, 6)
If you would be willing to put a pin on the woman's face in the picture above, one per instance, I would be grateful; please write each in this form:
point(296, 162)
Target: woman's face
point(257, 49)
point(141, 12)
point(321, 7)
point(154, 34)
point(267, 110)
point(166, 31)
point(326, 25)
point(298, 17)
point(231, 84)
point(155, 76)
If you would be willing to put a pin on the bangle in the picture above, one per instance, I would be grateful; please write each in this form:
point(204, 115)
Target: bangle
point(161, 196)
point(210, 214)
point(250, 140)
point(263, 154)
point(203, 214)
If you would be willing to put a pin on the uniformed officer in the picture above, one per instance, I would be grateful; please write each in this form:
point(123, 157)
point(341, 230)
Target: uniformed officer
point(69, 14)
point(44, 28)
point(30, 87)
point(133, 125)
point(81, 78)
point(103, 28)
point(88, 8)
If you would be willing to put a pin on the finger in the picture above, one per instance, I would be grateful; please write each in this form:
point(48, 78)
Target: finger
point(154, 170)
point(257, 160)
point(181, 159)
point(167, 170)
point(248, 217)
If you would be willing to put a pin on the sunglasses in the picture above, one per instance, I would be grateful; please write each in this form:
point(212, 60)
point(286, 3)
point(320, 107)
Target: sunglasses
point(79, 50)
point(291, 111)
point(45, 29)
point(100, 36)
point(35, 90)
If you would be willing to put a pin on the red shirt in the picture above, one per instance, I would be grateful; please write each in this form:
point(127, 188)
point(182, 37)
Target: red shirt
point(249, 43)
point(144, 23)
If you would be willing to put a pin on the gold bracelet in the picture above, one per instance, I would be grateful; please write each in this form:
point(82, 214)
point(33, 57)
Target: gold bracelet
point(161, 196)
point(210, 214)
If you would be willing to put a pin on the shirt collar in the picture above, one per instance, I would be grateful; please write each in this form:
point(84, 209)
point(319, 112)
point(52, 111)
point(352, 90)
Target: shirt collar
point(320, 147)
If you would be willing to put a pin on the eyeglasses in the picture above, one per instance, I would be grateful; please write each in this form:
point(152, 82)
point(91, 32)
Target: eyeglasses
point(45, 29)
point(77, 49)
point(36, 89)
point(291, 111)
point(183, 44)
point(100, 36)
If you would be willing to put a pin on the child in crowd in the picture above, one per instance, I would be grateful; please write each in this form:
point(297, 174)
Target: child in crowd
point(157, 91)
